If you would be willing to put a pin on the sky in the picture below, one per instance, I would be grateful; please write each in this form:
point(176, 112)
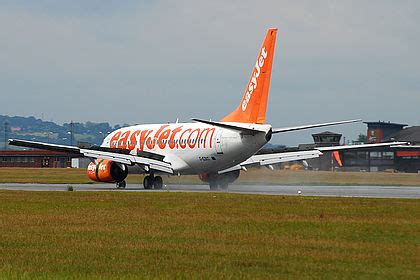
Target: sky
point(155, 61)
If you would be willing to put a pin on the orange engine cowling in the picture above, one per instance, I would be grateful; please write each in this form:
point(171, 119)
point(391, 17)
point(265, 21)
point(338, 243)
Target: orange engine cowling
point(107, 171)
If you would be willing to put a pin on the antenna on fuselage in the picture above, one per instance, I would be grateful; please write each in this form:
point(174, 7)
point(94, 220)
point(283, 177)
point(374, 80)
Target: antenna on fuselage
point(177, 119)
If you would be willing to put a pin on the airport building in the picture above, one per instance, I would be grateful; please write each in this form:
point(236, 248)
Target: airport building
point(34, 158)
point(325, 162)
point(397, 159)
point(385, 158)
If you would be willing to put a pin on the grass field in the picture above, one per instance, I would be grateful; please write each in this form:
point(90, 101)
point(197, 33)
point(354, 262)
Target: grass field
point(253, 176)
point(206, 235)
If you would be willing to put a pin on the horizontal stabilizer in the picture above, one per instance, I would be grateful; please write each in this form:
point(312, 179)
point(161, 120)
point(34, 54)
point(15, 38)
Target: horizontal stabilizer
point(293, 128)
point(244, 130)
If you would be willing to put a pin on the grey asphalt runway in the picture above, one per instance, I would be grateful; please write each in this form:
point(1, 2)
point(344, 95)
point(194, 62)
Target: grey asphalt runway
point(339, 191)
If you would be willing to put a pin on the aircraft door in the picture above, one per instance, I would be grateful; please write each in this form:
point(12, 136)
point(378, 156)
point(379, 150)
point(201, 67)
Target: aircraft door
point(219, 149)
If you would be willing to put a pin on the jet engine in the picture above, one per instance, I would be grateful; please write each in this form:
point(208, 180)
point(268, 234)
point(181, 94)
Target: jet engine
point(107, 171)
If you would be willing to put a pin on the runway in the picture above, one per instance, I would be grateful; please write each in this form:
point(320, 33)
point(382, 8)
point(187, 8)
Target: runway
point(336, 191)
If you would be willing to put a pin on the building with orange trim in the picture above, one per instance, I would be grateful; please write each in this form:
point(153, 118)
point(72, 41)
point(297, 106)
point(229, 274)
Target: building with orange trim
point(386, 158)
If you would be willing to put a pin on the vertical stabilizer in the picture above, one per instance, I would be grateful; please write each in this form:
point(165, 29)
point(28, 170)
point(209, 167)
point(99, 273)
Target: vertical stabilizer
point(254, 102)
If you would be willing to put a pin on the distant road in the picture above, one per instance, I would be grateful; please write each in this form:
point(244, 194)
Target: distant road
point(338, 191)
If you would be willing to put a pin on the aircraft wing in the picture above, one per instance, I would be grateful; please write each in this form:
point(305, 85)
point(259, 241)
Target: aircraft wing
point(405, 146)
point(150, 160)
point(274, 158)
point(361, 146)
point(293, 128)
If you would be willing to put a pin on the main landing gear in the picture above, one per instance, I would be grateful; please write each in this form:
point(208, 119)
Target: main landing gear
point(218, 185)
point(149, 182)
point(221, 181)
point(152, 182)
point(121, 185)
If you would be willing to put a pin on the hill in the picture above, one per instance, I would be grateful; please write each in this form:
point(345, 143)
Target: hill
point(31, 128)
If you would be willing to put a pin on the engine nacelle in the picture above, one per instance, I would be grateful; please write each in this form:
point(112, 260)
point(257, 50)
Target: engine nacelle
point(107, 171)
point(226, 178)
point(205, 177)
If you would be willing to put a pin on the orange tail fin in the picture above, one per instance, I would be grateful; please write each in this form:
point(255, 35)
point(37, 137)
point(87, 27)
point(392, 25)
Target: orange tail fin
point(254, 102)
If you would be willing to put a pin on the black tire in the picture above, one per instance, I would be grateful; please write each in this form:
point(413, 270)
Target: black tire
point(157, 183)
point(148, 182)
point(121, 185)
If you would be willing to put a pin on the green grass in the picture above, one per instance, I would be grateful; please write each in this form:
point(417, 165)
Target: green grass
point(43, 175)
point(253, 176)
point(206, 235)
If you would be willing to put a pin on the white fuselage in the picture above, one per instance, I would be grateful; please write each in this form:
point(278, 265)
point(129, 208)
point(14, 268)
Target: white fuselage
point(192, 148)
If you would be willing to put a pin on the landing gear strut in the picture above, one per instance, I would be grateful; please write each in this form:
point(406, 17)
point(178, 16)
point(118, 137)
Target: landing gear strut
point(213, 186)
point(121, 185)
point(152, 182)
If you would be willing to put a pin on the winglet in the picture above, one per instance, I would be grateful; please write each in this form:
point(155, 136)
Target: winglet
point(253, 106)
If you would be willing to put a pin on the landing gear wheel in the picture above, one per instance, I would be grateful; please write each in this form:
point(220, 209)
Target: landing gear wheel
point(157, 183)
point(121, 185)
point(148, 182)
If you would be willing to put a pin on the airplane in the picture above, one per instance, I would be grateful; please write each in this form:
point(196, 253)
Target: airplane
point(216, 151)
